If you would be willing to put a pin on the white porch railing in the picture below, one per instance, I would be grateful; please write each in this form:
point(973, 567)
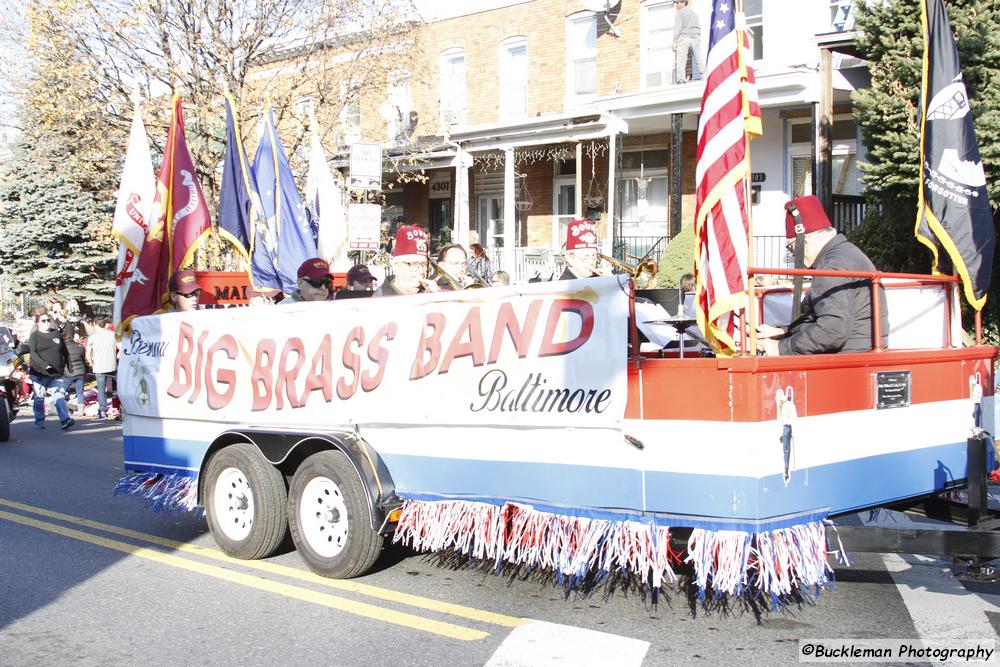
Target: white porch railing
point(528, 263)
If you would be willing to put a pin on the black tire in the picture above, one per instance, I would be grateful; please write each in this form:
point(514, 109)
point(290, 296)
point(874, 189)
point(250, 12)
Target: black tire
point(330, 518)
point(245, 499)
point(4, 420)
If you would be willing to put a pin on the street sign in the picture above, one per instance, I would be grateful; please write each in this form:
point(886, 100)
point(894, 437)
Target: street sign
point(364, 226)
point(366, 167)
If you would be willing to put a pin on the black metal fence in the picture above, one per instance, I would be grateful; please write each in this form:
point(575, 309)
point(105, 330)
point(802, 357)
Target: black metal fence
point(849, 211)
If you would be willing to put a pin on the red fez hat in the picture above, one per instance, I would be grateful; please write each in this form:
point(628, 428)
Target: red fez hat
point(580, 235)
point(183, 282)
point(410, 240)
point(811, 216)
point(314, 269)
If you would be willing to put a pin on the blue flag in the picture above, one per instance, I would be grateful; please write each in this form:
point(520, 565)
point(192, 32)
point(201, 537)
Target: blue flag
point(284, 214)
point(240, 217)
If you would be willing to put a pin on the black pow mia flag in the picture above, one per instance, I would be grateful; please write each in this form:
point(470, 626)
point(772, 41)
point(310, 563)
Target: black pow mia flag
point(954, 218)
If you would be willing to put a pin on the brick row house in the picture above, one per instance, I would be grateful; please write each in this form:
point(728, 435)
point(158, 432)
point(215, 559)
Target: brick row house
point(520, 116)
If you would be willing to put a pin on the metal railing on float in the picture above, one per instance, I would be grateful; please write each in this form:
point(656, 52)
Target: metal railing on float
point(877, 278)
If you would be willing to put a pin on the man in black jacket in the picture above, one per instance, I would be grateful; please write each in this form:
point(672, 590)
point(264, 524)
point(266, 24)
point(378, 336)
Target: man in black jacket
point(837, 311)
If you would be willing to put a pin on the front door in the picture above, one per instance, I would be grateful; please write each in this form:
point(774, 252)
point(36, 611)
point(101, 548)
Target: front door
point(440, 223)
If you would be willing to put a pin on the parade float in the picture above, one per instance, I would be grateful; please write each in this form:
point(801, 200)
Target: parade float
point(519, 425)
point(529, 427)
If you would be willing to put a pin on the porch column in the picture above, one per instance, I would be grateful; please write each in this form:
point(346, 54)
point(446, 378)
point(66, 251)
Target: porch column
point(824, 133)
point(509, 213)
point(608, 238)
point(579, 180)
point(460, 214)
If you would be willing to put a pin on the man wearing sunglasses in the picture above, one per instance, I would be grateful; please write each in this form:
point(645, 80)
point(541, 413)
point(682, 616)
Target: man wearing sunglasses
point(184, 292)
point(47, 360)
point(313, 283)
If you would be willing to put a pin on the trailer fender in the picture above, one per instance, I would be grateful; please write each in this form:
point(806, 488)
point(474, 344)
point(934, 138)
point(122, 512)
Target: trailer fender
point(286, 450)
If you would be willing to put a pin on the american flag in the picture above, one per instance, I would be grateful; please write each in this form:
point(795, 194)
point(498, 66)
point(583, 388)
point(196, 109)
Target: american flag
point(730, 118)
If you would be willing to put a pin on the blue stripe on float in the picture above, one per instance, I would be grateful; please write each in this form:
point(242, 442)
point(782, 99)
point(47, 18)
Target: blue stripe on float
point(836, 488)
point(143, 452)
point(586, 486)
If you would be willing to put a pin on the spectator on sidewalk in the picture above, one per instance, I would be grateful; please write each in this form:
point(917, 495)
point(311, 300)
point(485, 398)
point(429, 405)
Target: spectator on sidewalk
point(102, 355)
point(48, 356)
point(76, 365)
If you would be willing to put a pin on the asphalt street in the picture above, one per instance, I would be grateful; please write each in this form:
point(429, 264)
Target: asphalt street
point(87, 578)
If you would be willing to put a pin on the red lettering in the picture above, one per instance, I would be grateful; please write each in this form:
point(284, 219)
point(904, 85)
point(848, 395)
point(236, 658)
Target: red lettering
point(287, 376)
point(580, 308)
point(320, 372)
point(379, 355)
point(199, 361)
point(352, 362)
point(520, 336)
point(430, 343)
point(182, 362)
point(472, 326)
point(225, 377)
point(261, 378)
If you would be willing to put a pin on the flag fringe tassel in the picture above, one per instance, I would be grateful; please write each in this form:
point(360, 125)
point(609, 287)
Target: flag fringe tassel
point(161, 492)
point(781, 565)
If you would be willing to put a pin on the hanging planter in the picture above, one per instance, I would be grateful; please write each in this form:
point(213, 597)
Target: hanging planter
point(523, 201)
point(595, 194)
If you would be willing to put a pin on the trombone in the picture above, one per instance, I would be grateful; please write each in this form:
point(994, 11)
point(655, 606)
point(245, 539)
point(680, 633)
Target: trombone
point(477, 280)
point(643, 272)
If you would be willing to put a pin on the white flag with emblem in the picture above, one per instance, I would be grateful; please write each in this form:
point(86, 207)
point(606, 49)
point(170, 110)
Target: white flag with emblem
point(325, 208)
point(135, 201)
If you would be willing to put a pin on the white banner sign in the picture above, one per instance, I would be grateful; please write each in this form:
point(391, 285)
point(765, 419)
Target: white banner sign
point(364, 226)
point(545, 354)
point(366, 167)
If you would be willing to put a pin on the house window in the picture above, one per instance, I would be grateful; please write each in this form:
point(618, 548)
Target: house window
point(398, 106)
point(754, 12)
point(641, 191)
point(452, 88)
point(514, 77)
point(350, 111)
point(581, 57)
point(845, 174)
point(657, 59)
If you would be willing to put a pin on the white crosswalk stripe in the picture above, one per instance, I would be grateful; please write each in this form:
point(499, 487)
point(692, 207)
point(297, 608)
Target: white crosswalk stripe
point(541, 643)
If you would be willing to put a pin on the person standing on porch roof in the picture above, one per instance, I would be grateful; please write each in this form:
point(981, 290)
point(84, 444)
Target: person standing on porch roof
point(687, 37)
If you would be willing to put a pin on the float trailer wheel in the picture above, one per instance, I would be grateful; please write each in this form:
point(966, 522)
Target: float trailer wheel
point(330, 518)
point(246, 502)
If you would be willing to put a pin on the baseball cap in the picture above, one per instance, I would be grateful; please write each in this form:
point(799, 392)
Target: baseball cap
point(183, 282)
point(314, 269)
point(359, 273)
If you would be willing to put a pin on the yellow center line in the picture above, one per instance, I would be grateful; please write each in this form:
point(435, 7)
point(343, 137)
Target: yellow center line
point(398, 597)
point(304, 594)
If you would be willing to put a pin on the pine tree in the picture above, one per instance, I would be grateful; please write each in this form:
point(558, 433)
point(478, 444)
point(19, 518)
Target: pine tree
point(887, 114)
point(53, 237)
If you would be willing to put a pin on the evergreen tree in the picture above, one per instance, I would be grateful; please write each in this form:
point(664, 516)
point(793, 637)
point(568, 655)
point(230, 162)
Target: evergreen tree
point(887, 114)
point(53, 237)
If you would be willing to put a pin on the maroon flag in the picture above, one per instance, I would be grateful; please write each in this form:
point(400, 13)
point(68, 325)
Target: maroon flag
point(180, 219)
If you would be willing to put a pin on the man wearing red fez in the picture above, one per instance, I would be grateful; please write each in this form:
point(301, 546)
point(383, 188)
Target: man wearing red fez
point(409, 264)
point(313, 283)
point(581, 254)
point(836, 312)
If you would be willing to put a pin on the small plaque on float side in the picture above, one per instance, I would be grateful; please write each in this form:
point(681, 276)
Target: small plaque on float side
point(892, 389)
